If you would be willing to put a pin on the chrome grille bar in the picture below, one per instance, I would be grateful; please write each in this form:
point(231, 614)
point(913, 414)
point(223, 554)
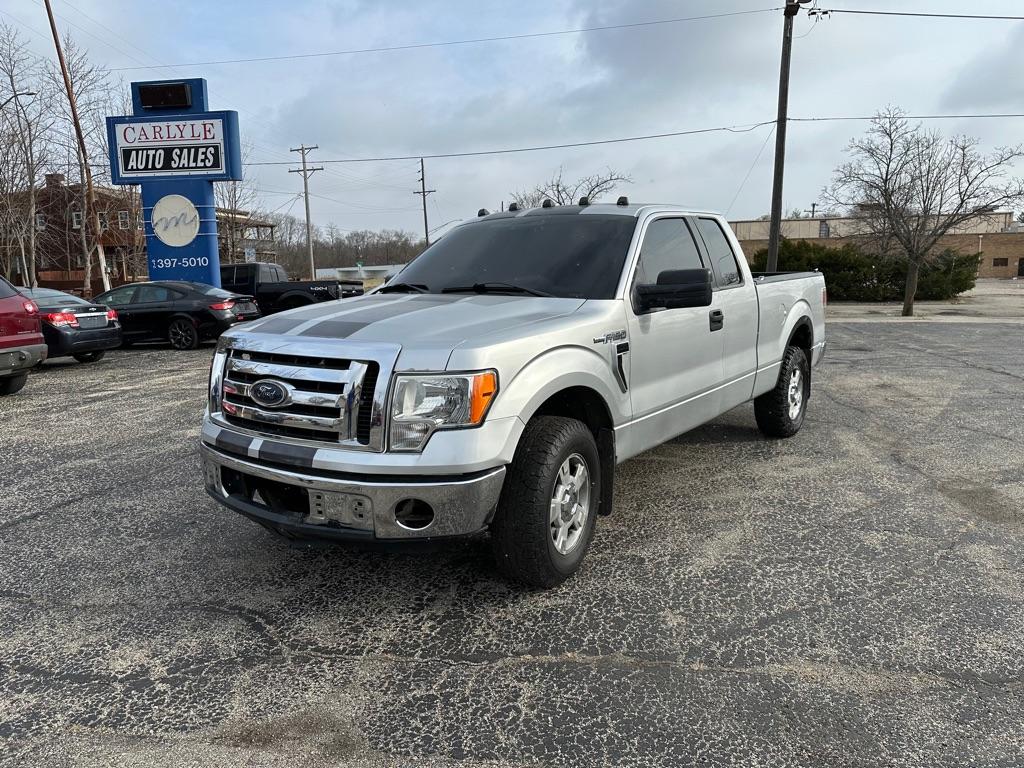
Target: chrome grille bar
point(283, 418)
point(282, 371)
point(298, 396)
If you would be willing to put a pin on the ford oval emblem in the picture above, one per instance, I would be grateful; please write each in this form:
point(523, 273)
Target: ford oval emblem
point(269, 393)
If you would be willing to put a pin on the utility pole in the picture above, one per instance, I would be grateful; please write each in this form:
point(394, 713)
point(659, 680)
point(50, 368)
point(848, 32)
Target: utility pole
point(92, 215)
point(424, 192)
point(306, 172)
point(814, 207)
point(790, 11)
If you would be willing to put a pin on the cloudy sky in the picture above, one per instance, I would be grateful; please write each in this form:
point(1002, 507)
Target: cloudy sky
point(551, 90)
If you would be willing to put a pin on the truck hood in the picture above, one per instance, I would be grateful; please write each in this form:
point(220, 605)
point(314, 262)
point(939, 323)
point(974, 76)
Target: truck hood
point(415, 321)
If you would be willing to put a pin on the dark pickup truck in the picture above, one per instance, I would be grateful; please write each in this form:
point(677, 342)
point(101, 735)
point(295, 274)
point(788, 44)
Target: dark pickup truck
point(273, 290)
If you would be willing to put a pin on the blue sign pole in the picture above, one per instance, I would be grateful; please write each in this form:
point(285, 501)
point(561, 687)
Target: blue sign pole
point(174, 148)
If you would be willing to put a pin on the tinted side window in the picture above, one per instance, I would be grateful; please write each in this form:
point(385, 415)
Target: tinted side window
point(668, 244)
point(267, 274)
point(152, 293)
point(726, 267)
point(243, 274)
point(6, 289)
point(118, 297)
point(227, 274)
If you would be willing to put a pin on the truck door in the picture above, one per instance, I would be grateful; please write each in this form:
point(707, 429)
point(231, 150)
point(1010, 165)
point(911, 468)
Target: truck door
point(736, 299)
point(675, 357)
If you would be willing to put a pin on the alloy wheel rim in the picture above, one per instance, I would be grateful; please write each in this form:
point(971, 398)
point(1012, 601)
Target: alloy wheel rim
point(570, 504)
point(180, 335)
point(796, 394)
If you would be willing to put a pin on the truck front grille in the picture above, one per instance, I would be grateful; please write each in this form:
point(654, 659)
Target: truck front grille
point(322, 399)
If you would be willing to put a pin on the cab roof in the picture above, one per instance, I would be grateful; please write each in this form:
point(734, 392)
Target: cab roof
point(614, 209)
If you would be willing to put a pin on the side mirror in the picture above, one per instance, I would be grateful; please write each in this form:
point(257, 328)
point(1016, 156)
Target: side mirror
point(675, 289)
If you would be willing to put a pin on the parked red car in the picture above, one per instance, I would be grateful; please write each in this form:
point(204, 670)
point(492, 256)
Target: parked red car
point(21, 338)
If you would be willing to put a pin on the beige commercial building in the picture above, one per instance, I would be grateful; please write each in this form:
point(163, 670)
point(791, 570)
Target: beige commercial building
point(995, 236)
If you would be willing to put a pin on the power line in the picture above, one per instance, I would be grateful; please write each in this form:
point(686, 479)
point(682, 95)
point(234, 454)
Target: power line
point(467, 41)
point(507, 151)
point(907, 117)
point(866, 12)
point(742, 128)
point(749, 171)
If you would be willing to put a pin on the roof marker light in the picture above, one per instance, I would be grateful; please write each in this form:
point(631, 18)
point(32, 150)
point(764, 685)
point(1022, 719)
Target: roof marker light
point(584, 201)
point(548, 203)
point(622, 201)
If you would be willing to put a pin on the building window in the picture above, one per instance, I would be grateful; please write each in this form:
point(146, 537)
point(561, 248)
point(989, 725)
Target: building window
point(76, 219)
point(40, 221)
point(824, 231)
point(1000, 262)
point(122, 220)
point(104, 223)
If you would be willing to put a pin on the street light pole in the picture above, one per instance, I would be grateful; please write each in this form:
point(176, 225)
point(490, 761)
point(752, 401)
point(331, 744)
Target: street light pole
point(12, 98)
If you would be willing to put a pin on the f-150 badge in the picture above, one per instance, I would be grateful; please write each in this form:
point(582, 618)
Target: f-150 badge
point(610, 337)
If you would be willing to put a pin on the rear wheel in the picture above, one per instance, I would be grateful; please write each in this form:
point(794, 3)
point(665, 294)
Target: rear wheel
point(183, 334)
point(780, 412)
point(90, 357)
point(548, 507)
point(11, 384)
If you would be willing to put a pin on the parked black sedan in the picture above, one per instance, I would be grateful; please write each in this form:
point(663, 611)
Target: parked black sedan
point(74, 327)
point(181, 312)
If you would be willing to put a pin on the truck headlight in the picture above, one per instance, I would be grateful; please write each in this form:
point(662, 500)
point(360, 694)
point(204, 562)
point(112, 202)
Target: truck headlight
point(424, 403)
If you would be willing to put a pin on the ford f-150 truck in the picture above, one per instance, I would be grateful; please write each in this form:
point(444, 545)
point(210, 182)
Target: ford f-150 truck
point(495, 382)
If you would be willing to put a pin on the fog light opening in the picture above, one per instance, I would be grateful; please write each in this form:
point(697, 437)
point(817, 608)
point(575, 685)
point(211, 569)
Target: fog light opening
point(414, 514)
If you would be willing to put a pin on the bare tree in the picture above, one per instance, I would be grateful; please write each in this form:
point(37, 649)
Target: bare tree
point(29, 120)
point(566, 192)
point(94, 94)
point(236, 197)
point(909, 187)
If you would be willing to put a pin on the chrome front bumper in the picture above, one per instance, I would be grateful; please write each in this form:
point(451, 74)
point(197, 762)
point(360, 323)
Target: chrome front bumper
point(353, 507)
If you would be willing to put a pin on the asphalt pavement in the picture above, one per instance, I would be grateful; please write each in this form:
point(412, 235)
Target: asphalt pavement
point(849, 597)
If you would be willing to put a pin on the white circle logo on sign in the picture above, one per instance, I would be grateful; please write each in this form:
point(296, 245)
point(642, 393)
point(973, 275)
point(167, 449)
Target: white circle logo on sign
point(175, 221)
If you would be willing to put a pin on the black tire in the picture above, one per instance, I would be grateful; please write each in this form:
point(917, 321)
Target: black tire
point(11, 384)
point(183, 334)
point(90, 357)
point(772, 409)
point(521, 535)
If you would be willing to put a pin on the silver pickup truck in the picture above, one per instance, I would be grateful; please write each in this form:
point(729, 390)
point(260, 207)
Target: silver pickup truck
point(494, 384)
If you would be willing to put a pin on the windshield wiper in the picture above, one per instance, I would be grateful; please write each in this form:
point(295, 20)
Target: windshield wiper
point(404, 288)
point(496, 288)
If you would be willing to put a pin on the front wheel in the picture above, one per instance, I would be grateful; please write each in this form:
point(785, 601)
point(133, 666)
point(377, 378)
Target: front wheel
point(780, 412)
point(548, 507)
point(90, 357)
point(183, 334)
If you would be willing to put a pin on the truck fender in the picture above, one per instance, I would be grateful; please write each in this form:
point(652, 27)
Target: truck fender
point(798, 322)
point(294, 299)
point(555, 370)
point(580, 367)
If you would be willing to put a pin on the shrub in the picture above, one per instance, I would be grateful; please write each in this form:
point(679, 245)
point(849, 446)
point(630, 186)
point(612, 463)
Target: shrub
point(853, 275)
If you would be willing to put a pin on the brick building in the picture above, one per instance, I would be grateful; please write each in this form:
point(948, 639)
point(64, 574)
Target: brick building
point(60, 229)
point(998, 239)
point(61, 249)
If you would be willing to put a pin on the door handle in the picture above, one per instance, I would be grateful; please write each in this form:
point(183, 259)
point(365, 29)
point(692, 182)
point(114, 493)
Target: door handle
point(716, 319)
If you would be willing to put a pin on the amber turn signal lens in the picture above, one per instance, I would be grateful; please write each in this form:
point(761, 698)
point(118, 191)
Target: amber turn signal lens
point(485, 387)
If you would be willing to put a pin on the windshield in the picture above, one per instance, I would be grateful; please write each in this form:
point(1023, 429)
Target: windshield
point(570, 255)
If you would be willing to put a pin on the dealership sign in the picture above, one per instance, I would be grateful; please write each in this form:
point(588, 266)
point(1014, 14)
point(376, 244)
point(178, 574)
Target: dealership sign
point(148, 148)
point(174, 149)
